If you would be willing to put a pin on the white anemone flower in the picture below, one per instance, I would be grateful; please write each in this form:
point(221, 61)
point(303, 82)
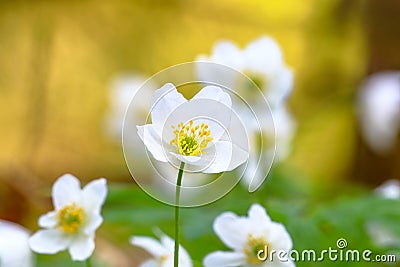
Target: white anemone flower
point(379, 103)
point(14, 248)
point(389, 189)
point(122, 91)
point(252, 240)
point(73, 223)
point(261, 60)
point(162, 251)
point(192, 131)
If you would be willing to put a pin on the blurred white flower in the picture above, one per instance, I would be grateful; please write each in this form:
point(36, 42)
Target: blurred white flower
point(281, 137)
point(379, 103)
point(261, 60)
point(122, 91)
point(76, 217)
point(389, 189)
point(162, 251)
point(14, 248)
point(192, 131)
point(284, 131)
point(381, 236)
point(247, 236)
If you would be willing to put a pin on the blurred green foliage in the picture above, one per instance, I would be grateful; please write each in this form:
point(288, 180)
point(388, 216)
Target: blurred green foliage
point(314, 220)
point(314, 215)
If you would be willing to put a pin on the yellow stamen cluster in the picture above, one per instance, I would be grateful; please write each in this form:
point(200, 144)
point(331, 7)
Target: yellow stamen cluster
point(163, 259)
point(254, 245)
point(190, 140)
point(70, 218)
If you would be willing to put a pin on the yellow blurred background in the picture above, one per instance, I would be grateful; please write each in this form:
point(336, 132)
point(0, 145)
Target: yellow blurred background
point(59, 58)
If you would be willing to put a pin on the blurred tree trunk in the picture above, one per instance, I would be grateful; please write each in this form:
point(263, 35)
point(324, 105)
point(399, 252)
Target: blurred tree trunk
point(381, 21)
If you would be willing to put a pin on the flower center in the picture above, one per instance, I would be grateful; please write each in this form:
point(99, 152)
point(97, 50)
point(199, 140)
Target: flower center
point(257, 79)
point(190, 140)
point(163, 259)
point(70, 218)
point(252, 251)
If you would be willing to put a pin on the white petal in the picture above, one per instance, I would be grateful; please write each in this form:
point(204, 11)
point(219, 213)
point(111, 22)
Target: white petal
point(279, 87)
point(256, 173)
point(212, 112)
point(193, 160)
point(258, 215)
point(183, 262)
point(260, 221)
point(379, 103)
point(389, 189)
point(163, 102)
point(224, 259)
point(184, 258)
point(222, 157)
point(381, 236)
point(151, 245)
point(169, 262)
point(263, 56)
point(259, 162)
point(212, 96)
point(94, 221)
point(228, 157)
point(150, 263)
point(169, 244)
point(66, 190)
point(252, 172)
point(228, 54)
point(239, 156)
point(279, 237)
point(152, 141)
point(14, 247)
point(232, 230)
point(48, 220)
point(49, 241)
point(287, 264)
point(284, 131)
point(94, 194)
point(214, 93)
point(210, 71)
point(82, 248)
point(278, 263)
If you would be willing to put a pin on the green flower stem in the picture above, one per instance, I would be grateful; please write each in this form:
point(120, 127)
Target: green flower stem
point(88, 262)
point(177, 209)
